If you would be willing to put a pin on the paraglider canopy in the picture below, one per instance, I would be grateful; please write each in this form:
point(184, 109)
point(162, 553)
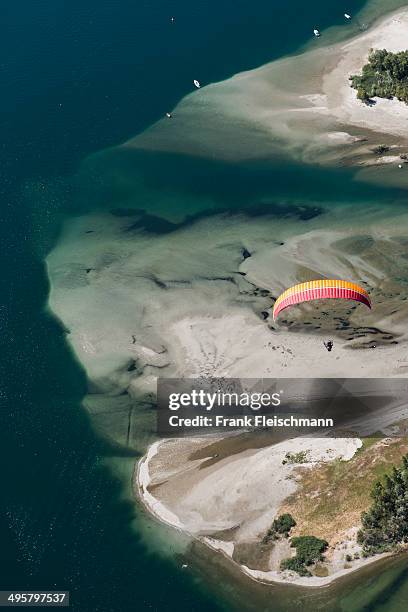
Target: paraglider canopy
point(318, 290)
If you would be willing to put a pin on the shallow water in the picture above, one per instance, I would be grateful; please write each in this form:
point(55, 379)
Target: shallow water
point(86, 78)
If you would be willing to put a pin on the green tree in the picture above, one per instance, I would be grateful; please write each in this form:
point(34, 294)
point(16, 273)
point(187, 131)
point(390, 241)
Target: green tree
point(309, 550)
point(384, 76)
point(280, 526)
point(385, 524)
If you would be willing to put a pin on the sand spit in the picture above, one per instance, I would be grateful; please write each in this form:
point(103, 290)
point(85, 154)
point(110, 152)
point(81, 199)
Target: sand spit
point(143, 477)
point(230, 504)
point(300, 106)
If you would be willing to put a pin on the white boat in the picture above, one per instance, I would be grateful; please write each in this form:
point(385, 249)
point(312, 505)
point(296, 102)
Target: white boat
point(347, 16)
point(197, 83)
point(168, 115)
point(316, 33)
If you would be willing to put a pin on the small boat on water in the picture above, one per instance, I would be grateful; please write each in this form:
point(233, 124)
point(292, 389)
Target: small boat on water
point(197, 83)
point(168, 115)
point(347, 16)
point(316, 32)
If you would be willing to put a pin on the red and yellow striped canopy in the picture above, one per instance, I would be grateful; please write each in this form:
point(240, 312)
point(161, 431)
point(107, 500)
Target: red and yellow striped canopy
point(318, 290)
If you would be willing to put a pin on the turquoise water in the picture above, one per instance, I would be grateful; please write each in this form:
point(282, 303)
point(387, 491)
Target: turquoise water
point(81, 78)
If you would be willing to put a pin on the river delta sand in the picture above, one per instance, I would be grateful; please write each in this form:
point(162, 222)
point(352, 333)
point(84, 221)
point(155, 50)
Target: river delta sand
point(134, 313)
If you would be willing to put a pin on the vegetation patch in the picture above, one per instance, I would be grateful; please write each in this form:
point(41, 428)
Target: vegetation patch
point(280, 527)
point(381, 149)
point(309, 550)
point(295, 565)
point(385, 524)
point(300, 457)
point(331, 497)
point(384, 76)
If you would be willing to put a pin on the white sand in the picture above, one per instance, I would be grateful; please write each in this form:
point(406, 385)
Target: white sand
point(226, 547)
point(243, 491)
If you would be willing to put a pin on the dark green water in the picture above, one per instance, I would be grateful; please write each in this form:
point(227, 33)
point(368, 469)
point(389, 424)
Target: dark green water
point(77, 78)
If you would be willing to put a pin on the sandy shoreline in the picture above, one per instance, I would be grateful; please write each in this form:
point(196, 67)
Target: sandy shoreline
point(143, 480)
